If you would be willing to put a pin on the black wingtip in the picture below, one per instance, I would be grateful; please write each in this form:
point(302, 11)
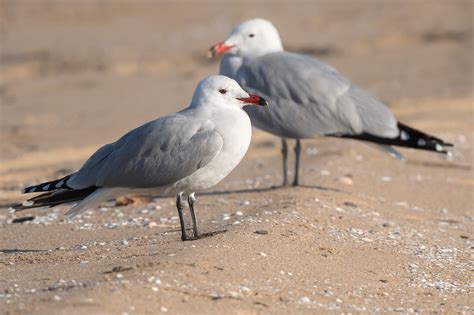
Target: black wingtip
point(48, 186)
point(54, 198)
point(417, 139)
point(408, 137)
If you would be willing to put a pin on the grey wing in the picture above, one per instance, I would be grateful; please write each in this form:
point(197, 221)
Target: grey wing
point(86, 176)
point(363, 113)
point(309, 98)
point(156, 154)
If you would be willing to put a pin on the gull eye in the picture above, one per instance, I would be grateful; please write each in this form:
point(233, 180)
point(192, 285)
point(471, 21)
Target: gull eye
point(222, 91)
point(251, 35)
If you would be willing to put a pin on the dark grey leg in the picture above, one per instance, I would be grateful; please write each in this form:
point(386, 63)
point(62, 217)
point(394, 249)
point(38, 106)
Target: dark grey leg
point(196, 234)
point(297, 162)
point(284, 153)
point(179, 206)
point(191, 200)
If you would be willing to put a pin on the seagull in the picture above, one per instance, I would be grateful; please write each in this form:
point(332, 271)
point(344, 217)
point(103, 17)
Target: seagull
point(309, 97)
point(174, 155)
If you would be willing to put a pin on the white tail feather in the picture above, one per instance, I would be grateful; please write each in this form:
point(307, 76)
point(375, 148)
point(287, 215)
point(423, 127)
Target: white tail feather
point(390, 150)
point(95, 199)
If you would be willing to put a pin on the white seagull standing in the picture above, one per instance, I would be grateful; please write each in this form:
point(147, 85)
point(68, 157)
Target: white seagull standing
point(178, 154)
point(309, 98)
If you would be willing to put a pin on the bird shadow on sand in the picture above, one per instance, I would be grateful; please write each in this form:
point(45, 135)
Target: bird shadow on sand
point(318, 187)
point(266, 189)
point(18, 250)
point(448, 165)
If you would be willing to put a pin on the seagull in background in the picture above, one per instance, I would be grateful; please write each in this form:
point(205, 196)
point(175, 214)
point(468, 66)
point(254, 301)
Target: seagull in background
point(309, 97)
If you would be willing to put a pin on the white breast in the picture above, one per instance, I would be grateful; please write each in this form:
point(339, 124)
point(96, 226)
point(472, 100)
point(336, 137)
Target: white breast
point(235, 128)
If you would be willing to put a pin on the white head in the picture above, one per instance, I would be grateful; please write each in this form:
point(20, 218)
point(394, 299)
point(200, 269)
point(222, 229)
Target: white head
point(252, 38)
point(219, 90)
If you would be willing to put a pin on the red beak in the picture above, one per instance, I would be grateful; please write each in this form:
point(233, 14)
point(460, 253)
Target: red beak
point(254, 99)
point(219, 49)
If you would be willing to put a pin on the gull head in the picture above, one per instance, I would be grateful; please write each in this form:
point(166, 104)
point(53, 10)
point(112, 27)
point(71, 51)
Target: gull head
point(252, 38)
point(219, 90)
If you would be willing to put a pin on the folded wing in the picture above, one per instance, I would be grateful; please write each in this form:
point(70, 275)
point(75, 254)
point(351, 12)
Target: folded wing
point(158, 153)
point(312, 95)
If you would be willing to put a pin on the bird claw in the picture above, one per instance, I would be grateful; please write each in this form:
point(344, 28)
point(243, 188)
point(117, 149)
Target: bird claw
point(200, 236)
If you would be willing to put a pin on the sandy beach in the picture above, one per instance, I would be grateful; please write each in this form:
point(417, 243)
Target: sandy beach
point(365, 233)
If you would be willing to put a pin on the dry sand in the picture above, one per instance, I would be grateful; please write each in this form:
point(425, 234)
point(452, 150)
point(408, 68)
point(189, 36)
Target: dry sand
point(365, 233)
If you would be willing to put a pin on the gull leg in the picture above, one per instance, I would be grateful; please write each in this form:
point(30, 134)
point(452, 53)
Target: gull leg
point(179, 206)
point(297, 162)
point(196, 234)
point(191, 201)
point(284, 153)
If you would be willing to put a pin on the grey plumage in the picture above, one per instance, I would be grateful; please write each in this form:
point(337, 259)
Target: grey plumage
point(311, 99)
point(185, 152)
point(156, 154)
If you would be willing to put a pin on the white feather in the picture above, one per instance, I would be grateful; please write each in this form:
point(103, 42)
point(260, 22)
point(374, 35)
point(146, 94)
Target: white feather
point(95, 199)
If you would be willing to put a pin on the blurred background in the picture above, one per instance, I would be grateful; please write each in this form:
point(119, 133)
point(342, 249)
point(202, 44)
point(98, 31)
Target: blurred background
point(77, 74)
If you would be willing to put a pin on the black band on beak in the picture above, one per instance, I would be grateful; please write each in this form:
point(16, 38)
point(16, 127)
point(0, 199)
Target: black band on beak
point(262, 102)
point(254, 99)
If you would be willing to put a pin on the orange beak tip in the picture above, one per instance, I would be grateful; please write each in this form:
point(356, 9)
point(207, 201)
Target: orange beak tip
point(219, 49)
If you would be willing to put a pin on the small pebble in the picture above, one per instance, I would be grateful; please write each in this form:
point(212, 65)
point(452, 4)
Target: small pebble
point(311, 151)
point(325, 173)
point(386, 178)
point(244, 289)
point(401, 204)
point(350, 204)
point(263, 254)
point(346, 180)
point(263, 232)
